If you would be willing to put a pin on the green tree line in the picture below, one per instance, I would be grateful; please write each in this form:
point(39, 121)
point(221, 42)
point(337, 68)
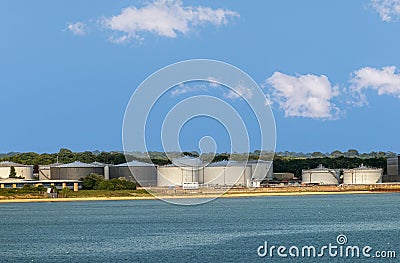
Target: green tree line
point(65, 156)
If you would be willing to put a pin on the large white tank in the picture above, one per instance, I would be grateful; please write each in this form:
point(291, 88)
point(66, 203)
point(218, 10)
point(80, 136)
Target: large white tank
point(362, 175)
point(23, 171)
point(262, 170)
point(228, 174)
point(182, 170)
point(320, 175)
point(176, 176)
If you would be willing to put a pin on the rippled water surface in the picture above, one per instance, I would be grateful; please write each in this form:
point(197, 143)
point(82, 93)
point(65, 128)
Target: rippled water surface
point(225, 230)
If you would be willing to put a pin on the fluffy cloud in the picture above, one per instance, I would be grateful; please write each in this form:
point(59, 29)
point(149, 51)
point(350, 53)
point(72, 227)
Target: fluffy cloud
point(165, 18)
point(384, 81)
point(77, 28)
point(389, 10)
point(304, 95)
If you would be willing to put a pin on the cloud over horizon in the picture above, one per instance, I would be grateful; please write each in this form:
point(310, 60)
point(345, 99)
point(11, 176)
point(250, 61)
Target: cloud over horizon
point(311, 96)
point(307, 96)
point(385, 81)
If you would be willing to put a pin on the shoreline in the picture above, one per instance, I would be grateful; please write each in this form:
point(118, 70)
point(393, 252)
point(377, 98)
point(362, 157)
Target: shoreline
point(193, 196)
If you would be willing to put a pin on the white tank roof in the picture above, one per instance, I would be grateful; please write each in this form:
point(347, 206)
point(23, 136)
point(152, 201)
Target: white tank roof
point(319, 168)
point(51, 165)
point(227, 163)
point(187, 161)
point(98, 164)
point(9, 164)
point(363, 167)
point(76, 165)
point(134, 163)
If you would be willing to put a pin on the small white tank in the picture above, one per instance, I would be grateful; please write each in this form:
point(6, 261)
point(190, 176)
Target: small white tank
point(320, 175)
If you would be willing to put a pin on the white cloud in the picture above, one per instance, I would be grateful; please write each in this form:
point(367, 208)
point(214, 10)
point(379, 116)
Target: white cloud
point(389, 10)
point(183, 89)
point(78, 28)
point(384, 81)
point(304, 95)
point(212, 85)
point(165, 18)
point(213, 82)
point(240, 91)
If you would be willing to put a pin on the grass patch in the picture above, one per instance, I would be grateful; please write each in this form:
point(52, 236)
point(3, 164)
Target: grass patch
point(108, 193)
point(25, 193)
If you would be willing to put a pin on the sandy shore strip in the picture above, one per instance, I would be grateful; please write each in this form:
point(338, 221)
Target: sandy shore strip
point(193, 196)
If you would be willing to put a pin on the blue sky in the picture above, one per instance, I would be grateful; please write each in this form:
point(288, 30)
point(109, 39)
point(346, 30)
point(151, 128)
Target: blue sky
point(330, 68)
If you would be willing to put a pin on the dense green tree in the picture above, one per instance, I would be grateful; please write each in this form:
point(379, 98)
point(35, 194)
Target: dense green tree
point(352, 153)
point(110, 158)
point(85, 157)
point(317, 155)
point(191, 154)
point(121, 184)
point(66, 156)
point(336, 154)
point(160, 161)
point(106, 185)
point(91, 181)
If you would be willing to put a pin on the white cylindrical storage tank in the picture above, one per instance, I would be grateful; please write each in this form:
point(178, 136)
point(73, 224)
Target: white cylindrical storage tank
point(182, 170)
point(176, 176)
point(226, 173)
point(22, 171)
point(169, 176)
point(320, 175)
point(262, 170)
point(190, 174)
point(213, 176)
point(362, 175)
point(238, 175)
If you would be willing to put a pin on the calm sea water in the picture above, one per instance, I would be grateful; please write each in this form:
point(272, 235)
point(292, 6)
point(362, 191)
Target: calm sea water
point(225, 230)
